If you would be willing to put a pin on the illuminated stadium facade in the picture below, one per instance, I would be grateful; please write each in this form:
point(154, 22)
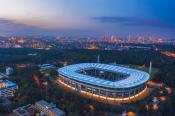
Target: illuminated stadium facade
point(108, 81)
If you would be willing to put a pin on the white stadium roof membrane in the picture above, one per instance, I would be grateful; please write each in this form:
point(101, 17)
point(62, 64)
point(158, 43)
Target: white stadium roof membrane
point(135, 78)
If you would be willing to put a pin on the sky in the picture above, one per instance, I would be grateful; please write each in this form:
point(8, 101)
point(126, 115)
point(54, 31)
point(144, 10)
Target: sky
point(96, 18)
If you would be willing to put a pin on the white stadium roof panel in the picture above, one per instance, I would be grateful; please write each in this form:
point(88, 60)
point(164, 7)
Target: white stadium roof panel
point(135, 78)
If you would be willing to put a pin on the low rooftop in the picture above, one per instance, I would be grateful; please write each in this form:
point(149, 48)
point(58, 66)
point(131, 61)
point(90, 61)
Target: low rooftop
point(52, 107)
point(6, 84)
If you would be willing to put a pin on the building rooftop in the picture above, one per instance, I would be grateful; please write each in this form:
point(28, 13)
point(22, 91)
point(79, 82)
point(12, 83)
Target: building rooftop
point(27, 110)
point(52, 107)
point(6, 84)
point(135, 78)
point(57, 111)
point(3, 75)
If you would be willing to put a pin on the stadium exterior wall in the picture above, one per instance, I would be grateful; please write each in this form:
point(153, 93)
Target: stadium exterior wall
point(107, 92)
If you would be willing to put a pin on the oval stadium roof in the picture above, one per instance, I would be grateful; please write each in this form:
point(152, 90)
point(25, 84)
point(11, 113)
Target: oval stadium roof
point(135, 78)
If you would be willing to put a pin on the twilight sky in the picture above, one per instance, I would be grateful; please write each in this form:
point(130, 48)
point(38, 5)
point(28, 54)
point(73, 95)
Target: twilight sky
point(88, 17)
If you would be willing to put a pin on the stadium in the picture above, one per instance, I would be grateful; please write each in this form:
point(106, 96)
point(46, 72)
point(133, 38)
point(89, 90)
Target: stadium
point(104, 81)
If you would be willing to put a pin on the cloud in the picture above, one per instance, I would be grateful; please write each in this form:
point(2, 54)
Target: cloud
point(122, 25)
point(105, 19)
point(10, 27)
point(131, 21)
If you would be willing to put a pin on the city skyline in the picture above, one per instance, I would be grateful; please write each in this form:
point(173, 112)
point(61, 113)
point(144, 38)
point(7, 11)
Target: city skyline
point(87, 18)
